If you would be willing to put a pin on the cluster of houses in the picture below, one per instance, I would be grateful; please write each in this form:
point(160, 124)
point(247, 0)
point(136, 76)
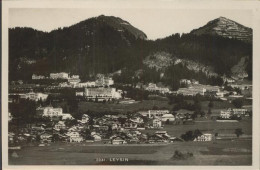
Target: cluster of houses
point(112, 129)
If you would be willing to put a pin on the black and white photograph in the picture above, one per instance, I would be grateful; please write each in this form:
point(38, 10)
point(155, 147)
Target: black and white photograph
point(130, 86)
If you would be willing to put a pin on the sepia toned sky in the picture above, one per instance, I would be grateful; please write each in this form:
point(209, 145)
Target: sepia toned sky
point(155, 23)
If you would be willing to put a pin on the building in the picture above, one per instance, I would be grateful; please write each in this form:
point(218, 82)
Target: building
point(154, 88)
point(104, 81)
point(102, 93)
point(85, 118)
point(185, 82)
point(49, 111)
point(118, 141)
point(225, 114)
point(97, 137)
point(191, 91)
point(157, 123)
point(61, 75)
point(204, 138)
point(238, 111)
point(168, 117)
point(87, 84)
point(74, 137)
point(34, 96)
point(60, 125)
point(37, 77)
point(66, 116)
point(10, 117)
point(73, 81)
point(79, 93)
point(154, 113)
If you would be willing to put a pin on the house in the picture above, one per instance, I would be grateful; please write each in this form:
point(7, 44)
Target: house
point(74, 137)
point(60, 125)
point(66, 116)
point(79, 93)
point(97, 137)
point(85, 118)
point(130, 125)
point(204, 138)
point(118, 141)
point(104, 81)
point(157, 123)
point(185, 82)
point(168, 117)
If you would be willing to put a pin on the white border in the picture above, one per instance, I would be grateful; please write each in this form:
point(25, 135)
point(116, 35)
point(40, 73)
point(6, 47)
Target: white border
point(123, 4)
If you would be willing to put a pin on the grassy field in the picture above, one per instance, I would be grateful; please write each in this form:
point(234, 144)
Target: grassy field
point(237, 152)
point(123, 108)
point(207, 126)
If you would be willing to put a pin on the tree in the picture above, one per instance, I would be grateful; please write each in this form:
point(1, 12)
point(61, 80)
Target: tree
point(238, 103)
point(238, 132)
point(211, 104)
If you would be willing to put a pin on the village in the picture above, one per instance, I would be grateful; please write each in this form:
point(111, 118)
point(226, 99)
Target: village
point(54, 123)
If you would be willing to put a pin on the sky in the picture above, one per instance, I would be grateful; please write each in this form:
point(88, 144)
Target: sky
point(155, 23)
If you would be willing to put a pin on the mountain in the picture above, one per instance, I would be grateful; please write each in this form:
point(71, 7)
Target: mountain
point(106, 44)
point(226, 28)
point(97, 45)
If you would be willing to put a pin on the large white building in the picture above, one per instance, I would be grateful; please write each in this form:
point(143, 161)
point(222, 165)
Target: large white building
point(102, 93)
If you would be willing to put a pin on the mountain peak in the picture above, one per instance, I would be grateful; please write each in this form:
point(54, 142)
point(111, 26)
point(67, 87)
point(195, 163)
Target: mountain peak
point(226, 28)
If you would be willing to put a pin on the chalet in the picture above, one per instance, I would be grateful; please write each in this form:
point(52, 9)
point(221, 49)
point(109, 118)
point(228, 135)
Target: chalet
point(204, 138)
point(157, 123)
